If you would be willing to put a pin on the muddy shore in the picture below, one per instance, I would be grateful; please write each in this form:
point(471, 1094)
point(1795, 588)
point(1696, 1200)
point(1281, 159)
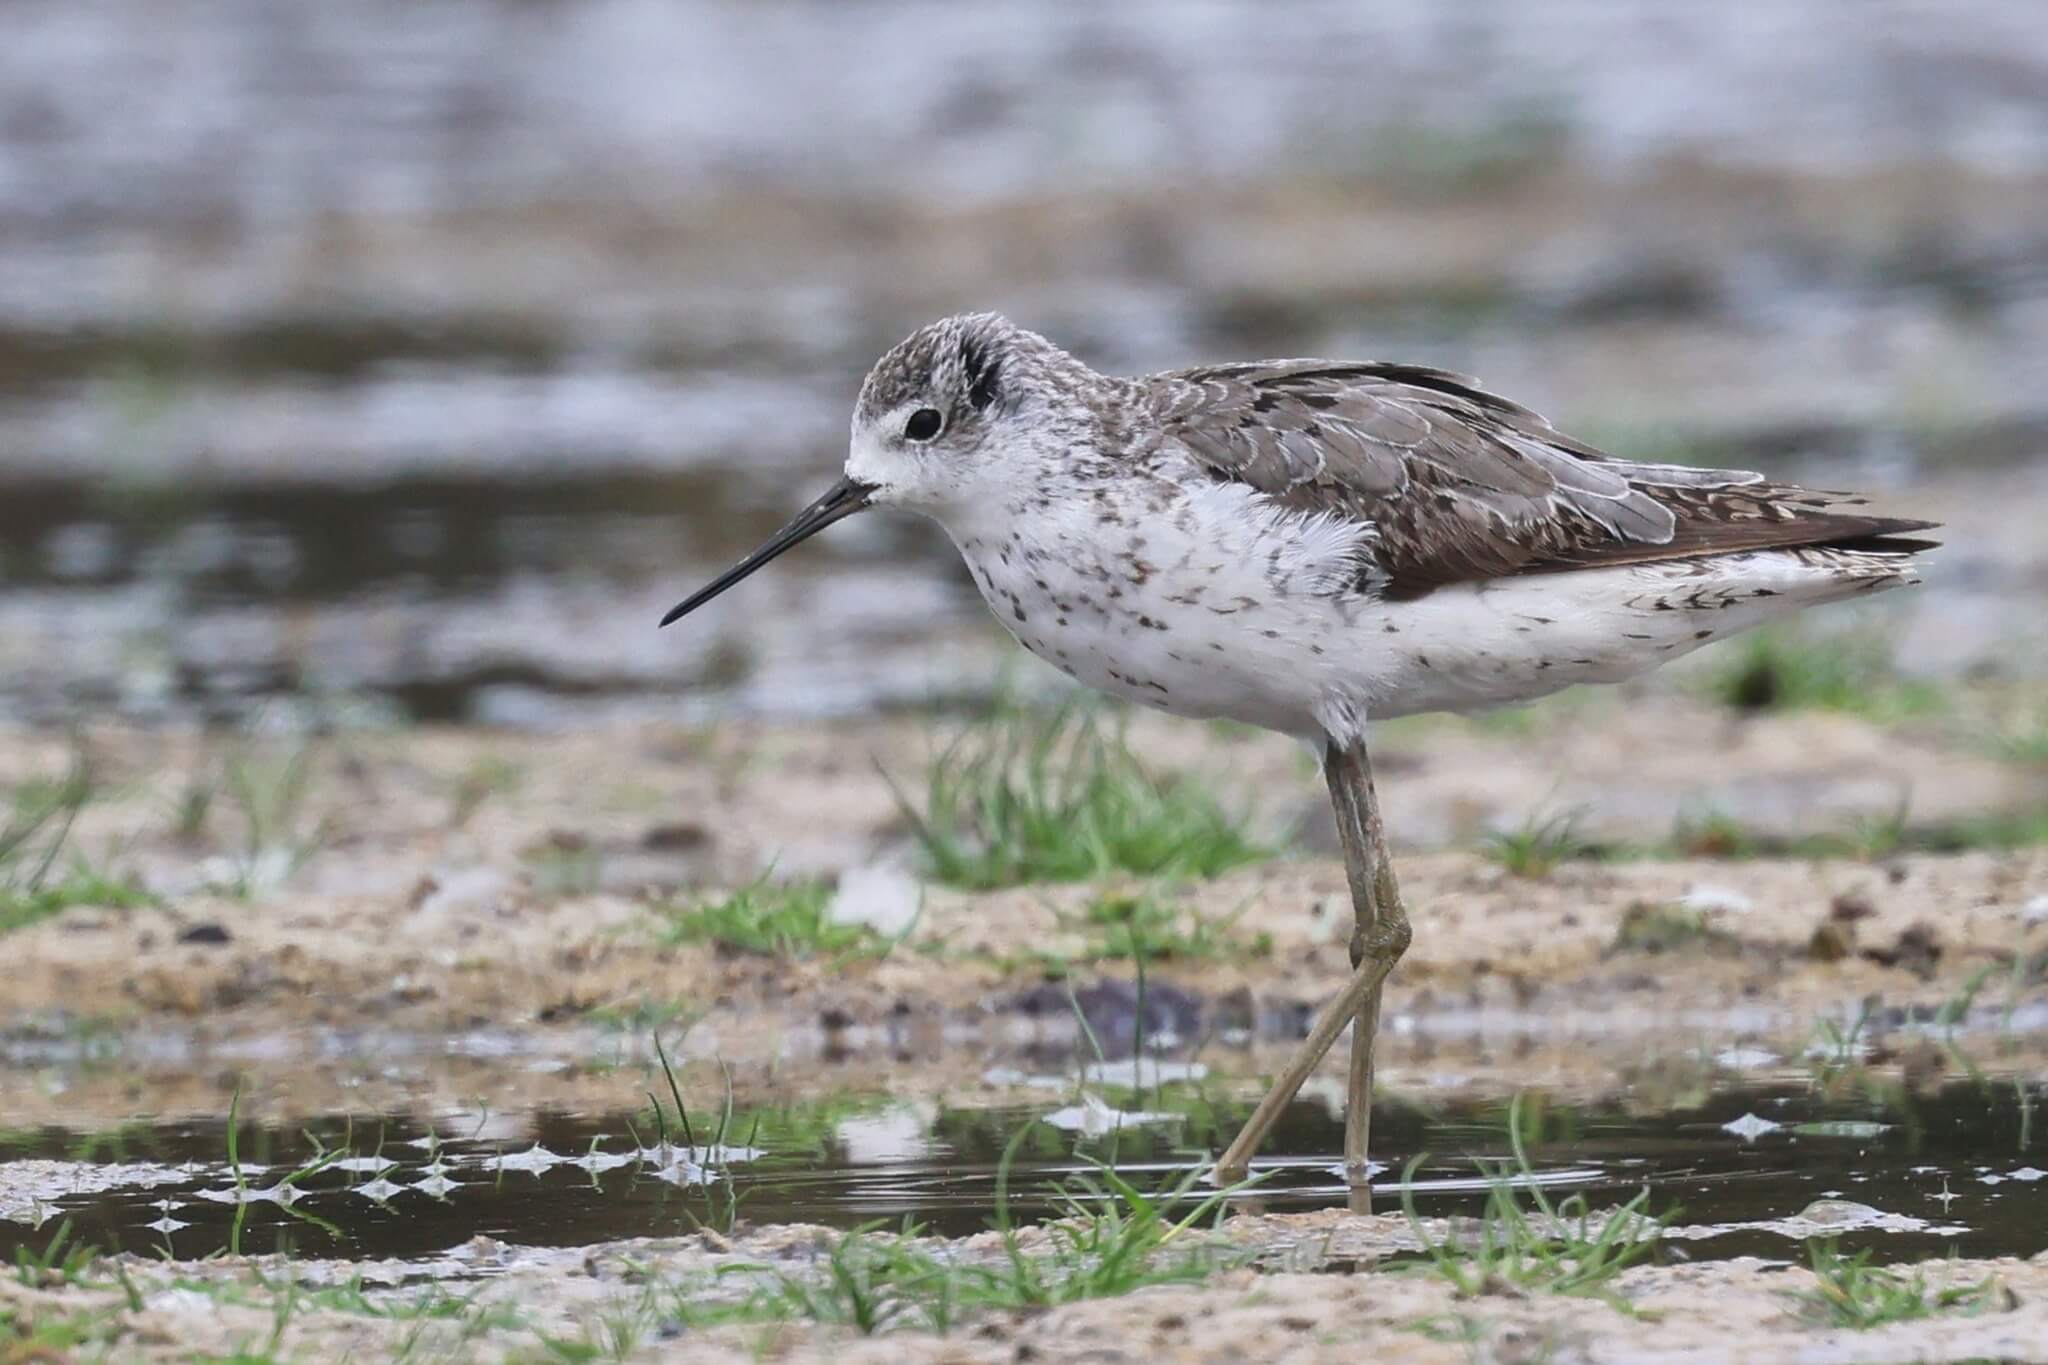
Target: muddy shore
point(449, 883)
point(471, 931)
point(1303, 1304)
point(456, 883)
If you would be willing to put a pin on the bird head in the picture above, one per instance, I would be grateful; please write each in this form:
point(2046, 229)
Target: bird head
point(942, 421)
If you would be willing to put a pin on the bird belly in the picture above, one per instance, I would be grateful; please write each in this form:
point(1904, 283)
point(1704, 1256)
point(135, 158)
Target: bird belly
point(1217, 605)
point(1148, 653)
point(1475, 645)
point(1203, 612)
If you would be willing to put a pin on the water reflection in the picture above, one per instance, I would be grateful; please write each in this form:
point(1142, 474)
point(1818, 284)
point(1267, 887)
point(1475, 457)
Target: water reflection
point(1912, 1176)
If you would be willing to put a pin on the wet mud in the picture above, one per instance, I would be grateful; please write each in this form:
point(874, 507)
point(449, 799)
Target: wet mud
point(432, 985)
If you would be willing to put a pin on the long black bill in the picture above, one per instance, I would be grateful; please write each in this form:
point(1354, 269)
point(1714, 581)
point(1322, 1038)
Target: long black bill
point(841, 501)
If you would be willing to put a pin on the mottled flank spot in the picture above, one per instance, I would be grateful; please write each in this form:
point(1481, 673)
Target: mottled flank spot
point(1018, 612)
point(1702, 634)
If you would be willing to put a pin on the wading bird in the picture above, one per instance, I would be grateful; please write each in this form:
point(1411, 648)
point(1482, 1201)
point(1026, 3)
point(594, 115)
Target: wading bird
point(1306, 545)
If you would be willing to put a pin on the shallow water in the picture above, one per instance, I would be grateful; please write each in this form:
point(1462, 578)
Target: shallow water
point(1956, 1169)
point(414, 362)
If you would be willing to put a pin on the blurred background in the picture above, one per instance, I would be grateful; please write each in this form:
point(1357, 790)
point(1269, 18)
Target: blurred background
point(412, 358)
point(375, 373)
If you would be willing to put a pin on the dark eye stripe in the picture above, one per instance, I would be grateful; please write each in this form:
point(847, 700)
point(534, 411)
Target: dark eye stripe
point(923, 424)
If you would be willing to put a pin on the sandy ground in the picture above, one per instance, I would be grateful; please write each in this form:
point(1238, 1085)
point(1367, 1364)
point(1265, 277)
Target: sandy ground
point(508, 890)
point(1314, 1291)
point(479, 914)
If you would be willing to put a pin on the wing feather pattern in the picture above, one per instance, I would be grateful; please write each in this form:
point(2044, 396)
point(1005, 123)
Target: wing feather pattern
point(1462, 485)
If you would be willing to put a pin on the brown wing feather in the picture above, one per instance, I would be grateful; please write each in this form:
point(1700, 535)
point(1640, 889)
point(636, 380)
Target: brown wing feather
point(1462, 485)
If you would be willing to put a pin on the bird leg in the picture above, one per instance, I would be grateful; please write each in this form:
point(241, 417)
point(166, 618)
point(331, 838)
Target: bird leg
point(1379, 936)
point(1379, 932)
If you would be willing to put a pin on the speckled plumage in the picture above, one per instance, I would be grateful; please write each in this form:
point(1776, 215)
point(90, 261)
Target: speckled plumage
point(1461, 485)
point(1308, 544)
point(1304, 544)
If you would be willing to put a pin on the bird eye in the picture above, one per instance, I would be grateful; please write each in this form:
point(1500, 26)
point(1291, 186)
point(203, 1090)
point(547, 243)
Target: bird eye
point(923, 424)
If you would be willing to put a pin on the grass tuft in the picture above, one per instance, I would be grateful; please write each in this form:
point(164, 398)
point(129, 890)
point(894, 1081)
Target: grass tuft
point(1851, 1292)
point(1784, 669)
point(1558, 1248)
point(1539, 845)
point(31, 1334)
point(1114, 1238)
point(1836, 1050)
point(2019, 827)
point(267, 792)
point(61, 1261)
point(1055, 796)
point(1869, 837)
point(20, 907)
point(779, 919)
point(1142, 927)
point(32, 841)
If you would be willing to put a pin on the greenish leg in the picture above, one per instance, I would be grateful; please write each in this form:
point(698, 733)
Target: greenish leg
point(1380, 935)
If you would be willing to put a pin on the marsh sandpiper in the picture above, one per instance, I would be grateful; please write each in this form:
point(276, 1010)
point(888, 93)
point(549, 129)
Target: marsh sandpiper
point(1306, 545)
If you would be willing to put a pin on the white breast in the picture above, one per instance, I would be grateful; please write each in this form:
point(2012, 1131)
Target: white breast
point(1210, 601)
point(1206, 602)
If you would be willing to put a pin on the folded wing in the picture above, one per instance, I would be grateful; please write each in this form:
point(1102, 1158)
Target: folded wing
point(1461, 485)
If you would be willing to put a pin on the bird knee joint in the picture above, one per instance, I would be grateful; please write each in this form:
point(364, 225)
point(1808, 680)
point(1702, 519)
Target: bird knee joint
point(1383, 941)
point(1388, 940)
